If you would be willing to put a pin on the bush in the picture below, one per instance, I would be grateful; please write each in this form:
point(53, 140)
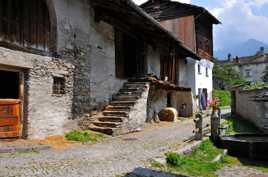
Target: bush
point(174, 159)
point(224, 96)
point(84, 136)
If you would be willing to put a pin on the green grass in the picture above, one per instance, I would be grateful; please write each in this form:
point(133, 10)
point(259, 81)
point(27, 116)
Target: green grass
point(238, 126)
point(199, 162)
point(85, 136)
point(224, 96)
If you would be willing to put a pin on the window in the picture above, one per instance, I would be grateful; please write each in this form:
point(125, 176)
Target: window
point(25, 25)
point(248, 73)
point(199, 69)
point(58, 85)
point(207, 72)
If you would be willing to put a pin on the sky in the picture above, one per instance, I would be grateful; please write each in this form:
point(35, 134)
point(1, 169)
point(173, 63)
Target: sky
point(241, 20)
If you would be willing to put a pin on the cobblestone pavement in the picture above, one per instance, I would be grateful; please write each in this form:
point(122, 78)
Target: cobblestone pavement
point(239, 171)
point(109, 158)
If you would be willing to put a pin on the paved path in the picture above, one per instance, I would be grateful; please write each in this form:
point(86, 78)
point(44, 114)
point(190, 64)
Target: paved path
point(110, 158)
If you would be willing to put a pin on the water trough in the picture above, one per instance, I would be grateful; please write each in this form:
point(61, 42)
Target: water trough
point(253, 146)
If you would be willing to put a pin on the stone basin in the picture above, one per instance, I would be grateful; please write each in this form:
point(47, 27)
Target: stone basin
point(253, 146)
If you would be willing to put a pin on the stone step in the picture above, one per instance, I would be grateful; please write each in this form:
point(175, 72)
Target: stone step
point(134, 84)
point(123, 103)
point(135, 93)
point(116, 113)
point(133, 89)
point(117, 108)
point(111, 119)
point(107, 124)
point(105, 130)
point(137, 87)
point(125, 98)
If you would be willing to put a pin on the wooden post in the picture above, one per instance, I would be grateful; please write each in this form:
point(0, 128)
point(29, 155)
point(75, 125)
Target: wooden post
point(198, 126)
point(215, 124)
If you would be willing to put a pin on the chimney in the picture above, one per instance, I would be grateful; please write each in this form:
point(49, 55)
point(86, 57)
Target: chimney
point(229, 57)
point(261, 50)
point(236, 59)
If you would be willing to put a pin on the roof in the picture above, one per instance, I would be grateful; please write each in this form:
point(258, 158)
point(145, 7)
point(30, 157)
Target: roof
point(256, 59)
point(197, 10)
point(127, 11)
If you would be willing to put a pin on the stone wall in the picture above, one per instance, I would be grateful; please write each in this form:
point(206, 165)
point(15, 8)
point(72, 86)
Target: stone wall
point(252, 111)
point(153, 61)
point(180, 99)
point(138, 114)
point(90, 46)
point(157, 100)
point(46, 114)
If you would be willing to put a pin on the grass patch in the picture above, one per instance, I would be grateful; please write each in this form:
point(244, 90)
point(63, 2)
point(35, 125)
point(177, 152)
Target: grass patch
point(238, 126)
point(198, 163)
point(85, 136)
point(224, 96)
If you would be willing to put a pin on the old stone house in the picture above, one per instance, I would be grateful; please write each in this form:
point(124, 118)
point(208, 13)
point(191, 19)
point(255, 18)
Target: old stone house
point(60, 60)
point(251, 68)
point(193, 25)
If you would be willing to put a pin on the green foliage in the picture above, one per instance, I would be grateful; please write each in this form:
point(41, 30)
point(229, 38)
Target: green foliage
point(224, 96)
point(174, 159)
point(199, 162)
point(85, 136)
point(228, 75)
point(265, 75)
point(257, 85)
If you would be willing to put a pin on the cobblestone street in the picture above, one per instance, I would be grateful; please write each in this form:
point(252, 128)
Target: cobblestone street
point(110, 158)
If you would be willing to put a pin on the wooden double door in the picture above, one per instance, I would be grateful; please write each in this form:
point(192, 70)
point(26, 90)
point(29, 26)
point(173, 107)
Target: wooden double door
point(11, 99)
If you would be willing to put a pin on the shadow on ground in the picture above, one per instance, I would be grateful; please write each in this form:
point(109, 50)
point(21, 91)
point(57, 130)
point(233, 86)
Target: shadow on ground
point(145, 172)
point(255, 163)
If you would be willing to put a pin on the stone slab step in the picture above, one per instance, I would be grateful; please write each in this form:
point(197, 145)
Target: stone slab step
point(130, 87)
point(123, 103)
point(107, 124)
point(135, 93)
point(125, 98)
point(134, 89)
point(117, 108)
point(111, 119)
point(134, 84)
point(116, 113)
point(105, 130)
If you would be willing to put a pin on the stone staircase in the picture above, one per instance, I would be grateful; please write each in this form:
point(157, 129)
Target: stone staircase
point(115, 118)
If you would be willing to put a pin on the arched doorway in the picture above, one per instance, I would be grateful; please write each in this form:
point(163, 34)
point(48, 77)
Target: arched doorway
point(28, 25)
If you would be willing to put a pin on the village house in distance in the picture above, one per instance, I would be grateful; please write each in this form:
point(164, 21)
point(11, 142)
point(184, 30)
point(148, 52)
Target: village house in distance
point(62, 60)
point(251, 68)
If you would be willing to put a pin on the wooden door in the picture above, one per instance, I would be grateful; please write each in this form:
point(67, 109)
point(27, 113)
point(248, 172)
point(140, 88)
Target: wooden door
point(10, 122)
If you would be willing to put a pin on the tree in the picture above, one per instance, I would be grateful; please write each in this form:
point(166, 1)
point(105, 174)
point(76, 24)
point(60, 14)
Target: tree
point(226, 76)
point(265, 74)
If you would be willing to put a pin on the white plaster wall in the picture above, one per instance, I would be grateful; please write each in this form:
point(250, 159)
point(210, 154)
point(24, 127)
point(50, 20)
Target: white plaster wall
point(153, 61)
point(202, 80)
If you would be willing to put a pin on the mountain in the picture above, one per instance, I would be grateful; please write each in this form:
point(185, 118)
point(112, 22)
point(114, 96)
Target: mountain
point(247, 48)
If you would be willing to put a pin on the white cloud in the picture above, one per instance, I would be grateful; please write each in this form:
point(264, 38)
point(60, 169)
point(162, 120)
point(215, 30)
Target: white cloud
point(184, 1)
point(239, 22)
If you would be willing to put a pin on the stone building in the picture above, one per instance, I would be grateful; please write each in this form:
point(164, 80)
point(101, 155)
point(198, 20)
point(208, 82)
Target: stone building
point(65, 60)
point(251, 68)
point(193, 25)
point(252, 106)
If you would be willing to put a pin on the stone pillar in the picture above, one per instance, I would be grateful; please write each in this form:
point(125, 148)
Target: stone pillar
point(215, 124)
point(198, 126)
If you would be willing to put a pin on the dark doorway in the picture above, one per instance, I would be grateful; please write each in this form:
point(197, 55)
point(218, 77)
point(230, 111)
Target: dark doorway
point(9, 85)
point(130, 56)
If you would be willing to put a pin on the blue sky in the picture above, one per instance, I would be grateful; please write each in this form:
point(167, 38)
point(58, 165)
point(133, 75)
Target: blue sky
point(241, 20)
